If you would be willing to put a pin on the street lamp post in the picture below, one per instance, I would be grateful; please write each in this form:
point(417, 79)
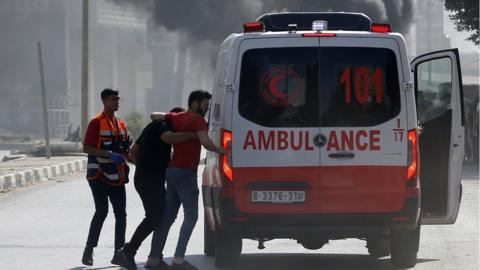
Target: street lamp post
point(48, 153)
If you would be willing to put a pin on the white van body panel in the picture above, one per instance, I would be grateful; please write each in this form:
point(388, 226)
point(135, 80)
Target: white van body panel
point(229, 48)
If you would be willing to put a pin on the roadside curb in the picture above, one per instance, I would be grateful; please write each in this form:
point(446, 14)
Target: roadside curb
point(40, 174)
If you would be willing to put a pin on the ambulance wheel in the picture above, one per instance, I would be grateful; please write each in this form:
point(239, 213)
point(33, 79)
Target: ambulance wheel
point(404, 247)
point(228, 247)
point(378, 246)
point(208, 240)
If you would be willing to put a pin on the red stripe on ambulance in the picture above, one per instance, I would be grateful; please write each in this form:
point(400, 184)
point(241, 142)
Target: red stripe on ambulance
point(328, 190)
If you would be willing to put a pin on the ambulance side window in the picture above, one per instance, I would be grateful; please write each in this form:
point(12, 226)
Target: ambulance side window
point(434, 89)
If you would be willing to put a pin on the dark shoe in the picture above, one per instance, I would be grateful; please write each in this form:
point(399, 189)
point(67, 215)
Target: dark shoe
point(87, 258)
point(161, 266)
point(125, 260)
point(155, 263)
point(116, 259)
point(183, 266)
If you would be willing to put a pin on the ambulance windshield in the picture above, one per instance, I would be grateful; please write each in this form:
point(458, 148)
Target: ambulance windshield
point(327, 86)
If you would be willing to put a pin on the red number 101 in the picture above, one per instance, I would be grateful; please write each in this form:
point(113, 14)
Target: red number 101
point(361, 75)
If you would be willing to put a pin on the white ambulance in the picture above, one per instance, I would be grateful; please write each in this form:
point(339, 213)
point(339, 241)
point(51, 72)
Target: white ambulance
point(331, 134)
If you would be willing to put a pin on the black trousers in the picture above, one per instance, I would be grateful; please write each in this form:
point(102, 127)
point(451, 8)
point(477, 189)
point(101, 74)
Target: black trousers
point(152, 194)
point(102, 192)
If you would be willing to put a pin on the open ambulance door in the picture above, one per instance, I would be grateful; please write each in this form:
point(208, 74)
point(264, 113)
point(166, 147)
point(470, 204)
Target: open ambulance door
point(439, 101)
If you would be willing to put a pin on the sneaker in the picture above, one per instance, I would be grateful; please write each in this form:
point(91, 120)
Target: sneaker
point(162, 265)
point(87, 258)
point(125, 260)
point(183, 266)
point(152, 261)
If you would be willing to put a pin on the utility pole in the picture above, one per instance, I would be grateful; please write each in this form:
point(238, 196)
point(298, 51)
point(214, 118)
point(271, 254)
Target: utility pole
point(84, 82)
point(48, 153)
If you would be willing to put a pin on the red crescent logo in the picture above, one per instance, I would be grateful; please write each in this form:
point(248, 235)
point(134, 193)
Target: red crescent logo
point(270, 86)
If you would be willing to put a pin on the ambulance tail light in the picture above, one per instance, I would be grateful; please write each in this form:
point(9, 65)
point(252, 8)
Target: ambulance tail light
point(250, 27)
point(380, 28)
point(226, 159)
point(412, 164)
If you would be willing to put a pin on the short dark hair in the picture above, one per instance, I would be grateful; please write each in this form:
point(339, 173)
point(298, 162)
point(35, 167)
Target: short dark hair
point(107, 92)
point(177, 110)
point(198, 95)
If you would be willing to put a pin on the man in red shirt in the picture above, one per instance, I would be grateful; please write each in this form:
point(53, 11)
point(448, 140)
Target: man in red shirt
point(181, 177)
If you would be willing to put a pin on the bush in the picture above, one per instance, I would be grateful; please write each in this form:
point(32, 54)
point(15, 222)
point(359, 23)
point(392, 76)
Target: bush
point(135, 124)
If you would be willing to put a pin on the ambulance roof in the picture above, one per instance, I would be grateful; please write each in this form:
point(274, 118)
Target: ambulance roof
point(336, 20)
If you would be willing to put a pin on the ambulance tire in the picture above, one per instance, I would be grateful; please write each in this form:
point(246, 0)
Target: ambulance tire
point(404, 247)
point(228, 247)
point(208, 240)
point(378, 246)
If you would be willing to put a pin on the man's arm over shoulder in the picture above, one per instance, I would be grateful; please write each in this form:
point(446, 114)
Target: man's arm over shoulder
point(207, 142)
point(177, 137)
point(158, 115)
point(166, 134)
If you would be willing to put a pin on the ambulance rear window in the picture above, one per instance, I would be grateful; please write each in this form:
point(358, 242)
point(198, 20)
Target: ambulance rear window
point(359, 86)
point(279, 87)
point(326, 86)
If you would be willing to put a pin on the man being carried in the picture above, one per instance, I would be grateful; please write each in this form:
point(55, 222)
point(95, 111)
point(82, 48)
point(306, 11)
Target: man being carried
point(151, 154)
point(181, 177)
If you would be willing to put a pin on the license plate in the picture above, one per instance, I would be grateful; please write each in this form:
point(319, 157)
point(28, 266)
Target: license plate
point(277, 196)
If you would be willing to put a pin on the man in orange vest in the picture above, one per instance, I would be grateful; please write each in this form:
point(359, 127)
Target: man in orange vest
point(106, 143)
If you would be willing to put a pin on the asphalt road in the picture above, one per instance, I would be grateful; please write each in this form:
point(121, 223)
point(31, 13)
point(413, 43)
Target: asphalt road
point(45, 227)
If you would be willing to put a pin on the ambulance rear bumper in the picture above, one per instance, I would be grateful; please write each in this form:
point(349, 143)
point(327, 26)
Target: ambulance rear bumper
point(330, 225)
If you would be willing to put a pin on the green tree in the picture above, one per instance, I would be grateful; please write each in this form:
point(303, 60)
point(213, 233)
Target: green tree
point(135, 123)
point(465, 16)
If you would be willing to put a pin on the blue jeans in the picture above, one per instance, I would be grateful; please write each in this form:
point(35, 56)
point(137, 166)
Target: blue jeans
point(182, 189)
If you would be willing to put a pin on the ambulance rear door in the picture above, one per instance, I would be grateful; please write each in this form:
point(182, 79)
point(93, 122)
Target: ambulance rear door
point(363, 125)
point(438, 92)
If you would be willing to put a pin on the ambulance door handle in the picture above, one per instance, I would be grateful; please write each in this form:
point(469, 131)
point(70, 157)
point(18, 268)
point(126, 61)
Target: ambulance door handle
point(342, 155)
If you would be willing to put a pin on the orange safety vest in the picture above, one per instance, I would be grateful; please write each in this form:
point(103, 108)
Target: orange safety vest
point(105, 169)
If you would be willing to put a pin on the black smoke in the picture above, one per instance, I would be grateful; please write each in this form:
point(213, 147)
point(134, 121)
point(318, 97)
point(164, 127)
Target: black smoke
point(214, 20)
